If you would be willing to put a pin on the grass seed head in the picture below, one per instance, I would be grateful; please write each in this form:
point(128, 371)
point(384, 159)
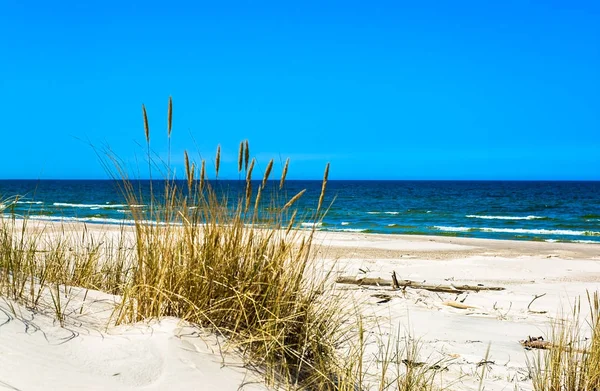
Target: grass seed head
point(267, 173)
point(170, 117)
point(247, 155)
point(241, 157)
point(146, 126)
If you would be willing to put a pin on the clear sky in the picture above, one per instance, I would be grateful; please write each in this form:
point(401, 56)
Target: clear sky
point(382, 90)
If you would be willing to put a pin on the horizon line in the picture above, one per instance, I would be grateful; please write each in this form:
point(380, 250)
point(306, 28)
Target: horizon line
point(312, 179)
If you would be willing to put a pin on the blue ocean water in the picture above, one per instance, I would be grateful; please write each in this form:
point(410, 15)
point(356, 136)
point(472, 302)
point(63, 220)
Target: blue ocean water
point(545, 211)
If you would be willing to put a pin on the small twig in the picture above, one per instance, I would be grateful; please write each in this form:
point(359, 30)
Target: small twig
point(531, 302)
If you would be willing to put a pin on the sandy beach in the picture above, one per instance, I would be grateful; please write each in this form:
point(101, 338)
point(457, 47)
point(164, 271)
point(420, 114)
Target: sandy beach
point(85, 354)
point(560, 272)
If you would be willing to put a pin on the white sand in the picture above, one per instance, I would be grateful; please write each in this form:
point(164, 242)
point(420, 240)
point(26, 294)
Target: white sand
point(36, 353)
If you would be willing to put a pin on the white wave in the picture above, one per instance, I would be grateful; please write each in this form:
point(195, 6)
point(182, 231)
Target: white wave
point(96, 206)
point(387, 213)
point(30, 202)
point(345, 223)
point(586, 241)
point(504, 217)
point(521, 231)
point(374, 213)
point(311, 225)
point(542, 231)
point(451, 229)
point(351, 230)
point(98, 220)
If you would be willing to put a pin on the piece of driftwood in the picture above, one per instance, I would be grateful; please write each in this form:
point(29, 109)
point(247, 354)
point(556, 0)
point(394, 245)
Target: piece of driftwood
point(536, 343)
point(540, 343)
point(368, 281)
point(456, 304)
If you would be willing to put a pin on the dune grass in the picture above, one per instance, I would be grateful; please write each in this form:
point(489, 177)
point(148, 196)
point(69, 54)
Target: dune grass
point(572, 362)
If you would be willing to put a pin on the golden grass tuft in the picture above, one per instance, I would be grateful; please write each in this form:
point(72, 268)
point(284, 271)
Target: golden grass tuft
point(572, 363)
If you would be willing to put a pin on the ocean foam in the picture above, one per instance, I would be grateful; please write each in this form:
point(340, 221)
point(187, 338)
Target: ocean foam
point(345, 223)
point(452, 229)
point(96, 206)
point(520, 231)
point(311, 225)
point(504, 217)
point(30, 202)
point(542, 231)
point(97, 220)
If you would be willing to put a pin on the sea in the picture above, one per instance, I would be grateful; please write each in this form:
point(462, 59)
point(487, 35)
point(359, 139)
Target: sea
point(518, 210)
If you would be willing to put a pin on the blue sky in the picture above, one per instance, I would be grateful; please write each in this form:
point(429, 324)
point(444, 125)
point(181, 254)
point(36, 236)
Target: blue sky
point(382, 90)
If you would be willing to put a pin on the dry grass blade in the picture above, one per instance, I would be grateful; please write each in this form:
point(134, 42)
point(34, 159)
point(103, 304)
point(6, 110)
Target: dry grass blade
point(170, 117)
point(249, 171)
point(247, 155)
point(258, 197)
point(284, 173)
point(241, 157)
point(202, 174)
point(323, 188)
point(146, 126)
point(188, 171)
point(293, 200)
point(248, 195)
point(291, 222)
point(218, 160)
point(249, 185)
point(267, 173)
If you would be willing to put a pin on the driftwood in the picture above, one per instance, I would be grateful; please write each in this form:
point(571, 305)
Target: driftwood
point(540, 343)
point(403, 284)
point(536, 343)
point(456, 304)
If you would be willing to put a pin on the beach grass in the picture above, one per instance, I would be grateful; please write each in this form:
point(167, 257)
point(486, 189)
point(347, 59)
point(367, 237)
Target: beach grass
point(571, 361)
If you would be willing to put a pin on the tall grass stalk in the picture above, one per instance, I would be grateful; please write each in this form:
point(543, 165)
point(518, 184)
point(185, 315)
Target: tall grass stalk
point(572, 363)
